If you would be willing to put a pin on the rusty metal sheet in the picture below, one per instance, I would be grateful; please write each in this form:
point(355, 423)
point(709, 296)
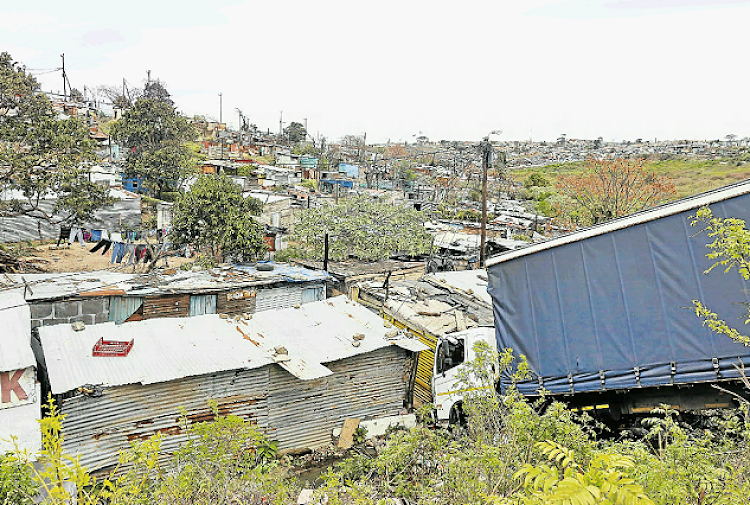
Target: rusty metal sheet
point(96, 429)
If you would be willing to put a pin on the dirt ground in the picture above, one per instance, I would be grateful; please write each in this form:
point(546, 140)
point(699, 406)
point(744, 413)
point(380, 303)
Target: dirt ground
point(78, 259)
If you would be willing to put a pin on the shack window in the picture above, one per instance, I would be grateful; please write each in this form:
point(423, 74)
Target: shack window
point(450, 354)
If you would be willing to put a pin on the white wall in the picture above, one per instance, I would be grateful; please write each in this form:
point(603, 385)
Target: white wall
point(21, 421)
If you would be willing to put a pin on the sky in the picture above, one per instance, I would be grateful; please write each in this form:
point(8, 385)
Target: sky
point(535, 69)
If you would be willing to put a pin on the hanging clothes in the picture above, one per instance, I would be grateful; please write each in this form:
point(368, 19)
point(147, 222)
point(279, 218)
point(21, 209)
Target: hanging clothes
point(100, 244)
point(118, 251)
point(139, 252)
point(76, 234)
point(64, 234)
point(130, 252)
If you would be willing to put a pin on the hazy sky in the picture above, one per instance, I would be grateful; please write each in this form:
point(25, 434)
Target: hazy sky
point(620, 69)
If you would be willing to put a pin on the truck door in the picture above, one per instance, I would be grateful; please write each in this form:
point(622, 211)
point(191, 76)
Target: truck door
point(450, 353)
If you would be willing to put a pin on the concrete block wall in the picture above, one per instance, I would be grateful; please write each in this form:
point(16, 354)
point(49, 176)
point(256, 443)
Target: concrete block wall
point(90, 311)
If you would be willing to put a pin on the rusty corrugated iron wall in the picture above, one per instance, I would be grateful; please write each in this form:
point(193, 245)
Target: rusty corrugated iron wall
point(304, 413)
point(97, 429)
point(299, 414)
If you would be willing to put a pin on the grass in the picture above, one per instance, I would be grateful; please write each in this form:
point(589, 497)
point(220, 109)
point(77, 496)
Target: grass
point(690, 176)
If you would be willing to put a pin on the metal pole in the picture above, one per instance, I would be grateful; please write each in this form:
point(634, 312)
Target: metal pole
point(65, 81)
point(221, 120)
point(486, 149)
point(325, 254)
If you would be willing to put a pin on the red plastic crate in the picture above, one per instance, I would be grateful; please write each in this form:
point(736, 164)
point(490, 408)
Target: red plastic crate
point(112, 347)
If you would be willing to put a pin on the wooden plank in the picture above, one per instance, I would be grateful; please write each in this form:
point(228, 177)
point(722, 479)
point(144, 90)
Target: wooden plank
point(230, 303)
point(346, 439)
point(103, 292)
point(166, 306)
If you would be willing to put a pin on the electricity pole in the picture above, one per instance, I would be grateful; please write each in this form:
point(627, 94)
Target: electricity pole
point(221, 120)
point(65, 79)
point(485, 149)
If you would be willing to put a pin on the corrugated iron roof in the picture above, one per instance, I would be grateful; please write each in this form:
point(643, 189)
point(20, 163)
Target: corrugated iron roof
point(164, 350)
point(50, 286)
point(682, 205)
point(322, 332)
point(15, 338)
point(465, 280)
point(172, 348)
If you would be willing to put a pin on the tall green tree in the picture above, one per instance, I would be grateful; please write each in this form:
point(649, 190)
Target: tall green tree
point(155, 136)
point(41, 155)
point(215, 217)
point(295, 132)
point(362, 227)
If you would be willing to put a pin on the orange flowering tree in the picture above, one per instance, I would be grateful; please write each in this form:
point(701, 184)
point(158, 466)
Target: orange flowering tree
point(611, 188)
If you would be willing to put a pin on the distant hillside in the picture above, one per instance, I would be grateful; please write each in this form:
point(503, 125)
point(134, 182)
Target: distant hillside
point(690, 176)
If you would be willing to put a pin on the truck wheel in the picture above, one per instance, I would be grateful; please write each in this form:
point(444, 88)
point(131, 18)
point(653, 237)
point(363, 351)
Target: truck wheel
point(457, 417)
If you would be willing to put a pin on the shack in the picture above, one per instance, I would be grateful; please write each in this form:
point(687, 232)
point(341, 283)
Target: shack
point(125, 212)
point(99, 297)
point(19, 390)
point(347, 273)
point(295, 373)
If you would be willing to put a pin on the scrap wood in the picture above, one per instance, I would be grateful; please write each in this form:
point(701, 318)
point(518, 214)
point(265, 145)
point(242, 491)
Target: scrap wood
point(346, 438)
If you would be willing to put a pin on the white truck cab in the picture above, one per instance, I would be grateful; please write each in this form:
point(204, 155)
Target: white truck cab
point(452, 353)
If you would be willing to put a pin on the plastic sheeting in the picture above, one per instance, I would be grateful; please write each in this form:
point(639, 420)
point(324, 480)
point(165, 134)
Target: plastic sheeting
point(614, 311)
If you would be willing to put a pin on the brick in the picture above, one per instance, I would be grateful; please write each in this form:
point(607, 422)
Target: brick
point(40, 310)
point(94, 306)
point(67, 309)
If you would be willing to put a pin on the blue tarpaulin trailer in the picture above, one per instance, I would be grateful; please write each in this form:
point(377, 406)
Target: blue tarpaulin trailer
point(609, 308)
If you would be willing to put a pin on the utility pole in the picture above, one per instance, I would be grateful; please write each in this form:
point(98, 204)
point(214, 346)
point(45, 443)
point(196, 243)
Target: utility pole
point(239, 125)
point(65, 79)
point(221, 120)
point(485, 149)
point(281, 126)
point(305, 128)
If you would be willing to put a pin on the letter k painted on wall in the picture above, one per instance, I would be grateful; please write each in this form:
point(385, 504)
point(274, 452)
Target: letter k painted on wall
point(10, 383)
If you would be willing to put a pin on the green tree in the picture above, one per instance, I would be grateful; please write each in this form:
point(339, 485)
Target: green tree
point(155, 138)
point(611, 188)
point(216, 218)
point(731, 249)
point(536, 179)
point(295, 132)
point(364, 228)
point(41, 155)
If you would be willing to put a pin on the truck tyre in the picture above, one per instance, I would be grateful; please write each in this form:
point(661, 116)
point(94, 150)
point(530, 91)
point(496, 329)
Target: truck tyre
point(457, 417)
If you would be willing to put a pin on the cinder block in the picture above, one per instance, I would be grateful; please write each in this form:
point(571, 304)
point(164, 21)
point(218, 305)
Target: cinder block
point(67, 309)
point(35, 323)
point(101, 317)
point(54, 322)
point(40, 310)
point(89, 319)
point(93, 306)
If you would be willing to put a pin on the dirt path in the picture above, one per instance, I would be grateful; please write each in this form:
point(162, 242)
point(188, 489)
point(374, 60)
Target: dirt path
point(78, 259)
